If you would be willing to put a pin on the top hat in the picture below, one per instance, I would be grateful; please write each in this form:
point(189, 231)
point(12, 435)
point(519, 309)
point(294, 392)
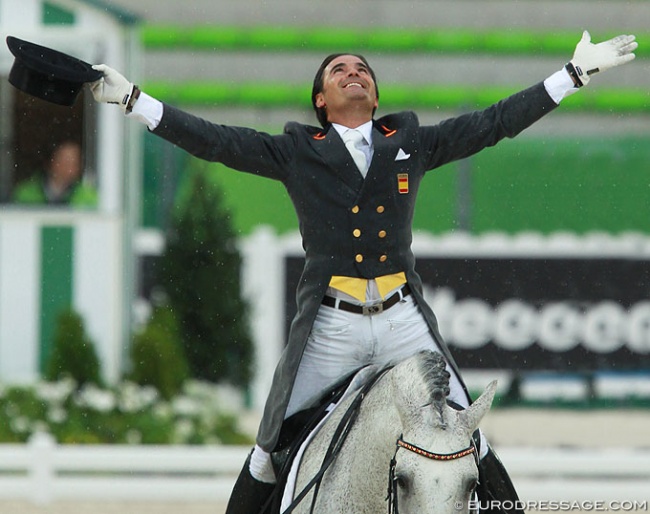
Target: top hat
point(48, 74)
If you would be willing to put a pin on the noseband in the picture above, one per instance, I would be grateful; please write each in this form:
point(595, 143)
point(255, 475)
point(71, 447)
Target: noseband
point(401, 443)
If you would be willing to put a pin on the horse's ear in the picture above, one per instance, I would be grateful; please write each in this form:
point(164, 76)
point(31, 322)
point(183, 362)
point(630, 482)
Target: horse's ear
point(472, 416)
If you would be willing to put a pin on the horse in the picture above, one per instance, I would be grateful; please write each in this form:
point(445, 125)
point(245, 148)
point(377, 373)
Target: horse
point(399, 431)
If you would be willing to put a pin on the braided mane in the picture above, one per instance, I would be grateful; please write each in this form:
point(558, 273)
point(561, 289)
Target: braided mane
point(436, 379)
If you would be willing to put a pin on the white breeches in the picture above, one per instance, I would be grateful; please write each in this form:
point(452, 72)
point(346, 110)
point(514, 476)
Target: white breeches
point(341, 342)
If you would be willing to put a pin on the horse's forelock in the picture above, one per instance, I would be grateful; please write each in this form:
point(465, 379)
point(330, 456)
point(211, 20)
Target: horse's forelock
point(436, 378)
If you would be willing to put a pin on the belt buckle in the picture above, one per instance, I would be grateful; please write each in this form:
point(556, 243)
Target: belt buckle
point(369, 310)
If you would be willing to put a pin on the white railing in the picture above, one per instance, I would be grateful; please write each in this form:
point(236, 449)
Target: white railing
point(559, 474)
point(42, 472)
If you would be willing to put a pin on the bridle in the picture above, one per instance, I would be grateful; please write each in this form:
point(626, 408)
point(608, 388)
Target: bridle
point(401, 443)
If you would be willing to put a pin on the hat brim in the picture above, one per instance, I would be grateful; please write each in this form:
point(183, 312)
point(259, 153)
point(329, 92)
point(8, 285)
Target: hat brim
point(48, 74)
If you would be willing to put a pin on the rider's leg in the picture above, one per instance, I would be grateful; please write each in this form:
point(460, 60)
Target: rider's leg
point(254, 485)
point(496, 492)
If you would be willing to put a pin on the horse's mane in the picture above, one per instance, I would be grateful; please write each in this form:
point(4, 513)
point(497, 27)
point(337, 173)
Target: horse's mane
point(436, 379)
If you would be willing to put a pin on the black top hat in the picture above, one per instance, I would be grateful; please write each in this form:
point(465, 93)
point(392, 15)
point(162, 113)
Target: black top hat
point(48, 74)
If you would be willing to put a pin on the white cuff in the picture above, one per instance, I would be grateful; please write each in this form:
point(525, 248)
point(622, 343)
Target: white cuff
point(558, 86)
point(147, 110)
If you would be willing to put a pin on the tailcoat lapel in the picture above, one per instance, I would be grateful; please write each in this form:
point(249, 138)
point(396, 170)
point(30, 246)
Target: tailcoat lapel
point(382, 152)
point(336, 157)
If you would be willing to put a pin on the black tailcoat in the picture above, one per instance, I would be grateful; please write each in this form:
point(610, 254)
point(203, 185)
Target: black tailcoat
point(332, 199)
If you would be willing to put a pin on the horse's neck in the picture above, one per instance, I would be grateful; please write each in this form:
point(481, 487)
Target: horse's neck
point(362, 463)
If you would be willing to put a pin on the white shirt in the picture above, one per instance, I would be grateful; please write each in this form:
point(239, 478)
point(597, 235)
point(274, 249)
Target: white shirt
point(366, 132)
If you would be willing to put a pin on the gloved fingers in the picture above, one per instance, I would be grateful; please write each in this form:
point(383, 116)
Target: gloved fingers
point(100, 67)
point(623, 50)
point(622, 41)
point(623, 45)
point(111, 76)
point(112, 87)
point(625, 58)
point(628, 49)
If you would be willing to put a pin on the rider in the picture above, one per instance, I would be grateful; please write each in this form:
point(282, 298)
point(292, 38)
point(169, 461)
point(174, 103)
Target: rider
point(359, 299)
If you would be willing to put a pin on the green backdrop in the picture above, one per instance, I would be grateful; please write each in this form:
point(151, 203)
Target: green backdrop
point(577, 185)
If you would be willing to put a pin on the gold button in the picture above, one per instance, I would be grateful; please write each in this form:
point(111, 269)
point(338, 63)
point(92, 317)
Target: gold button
point(383, 258)
point(382, 233)
point(359, 258)
point(356, 232)
point(380, 209)
point(355, 209)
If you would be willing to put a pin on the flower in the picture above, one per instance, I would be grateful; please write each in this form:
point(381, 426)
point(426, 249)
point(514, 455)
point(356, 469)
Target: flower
point(134, 398)
point(186, 406)
point(57, 415)
point(93, 397)
point(126, 412)
point(55, 392)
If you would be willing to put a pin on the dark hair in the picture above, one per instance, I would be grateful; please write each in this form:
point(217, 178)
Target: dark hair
point(321, 113)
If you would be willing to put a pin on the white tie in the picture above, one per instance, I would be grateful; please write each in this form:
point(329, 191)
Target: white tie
point(353, 140)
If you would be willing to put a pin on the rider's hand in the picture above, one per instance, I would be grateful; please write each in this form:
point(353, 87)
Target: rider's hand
point(589, 58)
point(112, 88)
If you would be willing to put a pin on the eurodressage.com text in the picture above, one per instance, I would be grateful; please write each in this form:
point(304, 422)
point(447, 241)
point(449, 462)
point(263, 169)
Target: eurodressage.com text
point(556, 506)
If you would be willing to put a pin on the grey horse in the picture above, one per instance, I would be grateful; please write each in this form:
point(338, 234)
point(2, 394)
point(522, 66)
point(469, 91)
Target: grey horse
point(405, 436)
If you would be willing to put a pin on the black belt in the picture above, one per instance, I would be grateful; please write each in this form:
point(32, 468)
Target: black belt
point(367, 309)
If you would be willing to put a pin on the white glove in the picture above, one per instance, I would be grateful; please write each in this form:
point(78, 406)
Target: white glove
point(589, 58)
point(112, 88)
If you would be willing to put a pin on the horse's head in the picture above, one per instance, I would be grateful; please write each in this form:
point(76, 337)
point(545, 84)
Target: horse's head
point(435, 466)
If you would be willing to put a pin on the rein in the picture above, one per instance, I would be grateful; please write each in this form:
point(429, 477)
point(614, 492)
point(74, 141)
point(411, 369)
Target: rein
point(401, 443)
point(338, 438)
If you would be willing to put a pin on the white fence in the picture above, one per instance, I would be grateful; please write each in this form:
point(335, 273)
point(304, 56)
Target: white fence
point(42, 472)
point(619, 475)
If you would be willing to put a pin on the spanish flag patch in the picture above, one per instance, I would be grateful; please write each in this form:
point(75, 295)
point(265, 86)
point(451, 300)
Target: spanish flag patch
point(403, 183)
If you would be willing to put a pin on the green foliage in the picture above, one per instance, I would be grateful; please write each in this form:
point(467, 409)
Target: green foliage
point(124, 414)
point(157, 357)
point(200, 272)
point(73, 353)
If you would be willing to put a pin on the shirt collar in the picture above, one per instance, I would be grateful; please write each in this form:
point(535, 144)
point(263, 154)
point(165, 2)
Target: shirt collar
point(365, 129)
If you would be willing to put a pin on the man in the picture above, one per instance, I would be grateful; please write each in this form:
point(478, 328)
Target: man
point(359, 299)
point(60, 182)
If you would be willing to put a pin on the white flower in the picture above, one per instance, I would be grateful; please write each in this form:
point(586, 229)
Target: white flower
point(57, 415)
point(162, 410)
point(95, 398)
point(19, 424)
point(133, 398)
point(55, 392)
point(183, 430)
point(185, 406)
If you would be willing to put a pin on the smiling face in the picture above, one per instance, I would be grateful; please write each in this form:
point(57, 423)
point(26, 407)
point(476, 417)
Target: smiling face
point(348, 94)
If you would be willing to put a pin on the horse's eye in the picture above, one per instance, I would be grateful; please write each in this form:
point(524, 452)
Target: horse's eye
point(402, 482)
point(471, 486)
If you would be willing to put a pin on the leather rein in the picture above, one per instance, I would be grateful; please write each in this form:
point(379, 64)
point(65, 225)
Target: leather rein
point(401, 443)
point(336, 444)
